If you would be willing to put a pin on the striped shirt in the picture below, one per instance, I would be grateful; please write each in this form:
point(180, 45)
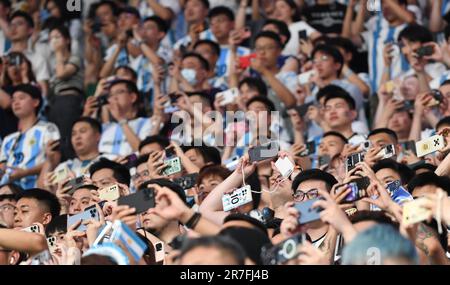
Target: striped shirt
point(114, 141)
point(224, 61)
point(185, 41)
point(27, 150)
point(376, 36)
point(81, 167)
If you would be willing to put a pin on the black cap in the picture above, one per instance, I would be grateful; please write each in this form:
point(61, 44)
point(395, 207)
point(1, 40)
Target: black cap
point(31, 90)
point(314, 174)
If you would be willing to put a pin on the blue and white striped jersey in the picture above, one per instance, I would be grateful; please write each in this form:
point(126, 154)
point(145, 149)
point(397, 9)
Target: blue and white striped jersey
point(81, 167)
point(185, 41)
point(113, 140)
point(377, 34)
point(224, 60)
point(27, 150)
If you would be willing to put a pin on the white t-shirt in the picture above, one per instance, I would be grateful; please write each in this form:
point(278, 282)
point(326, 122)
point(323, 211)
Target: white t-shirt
point(292, 46)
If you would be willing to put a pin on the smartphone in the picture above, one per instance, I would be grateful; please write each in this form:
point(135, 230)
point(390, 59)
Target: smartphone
point(437, 98)
point(228, 96)
point(358, 189)
point(354, 159)
point(231, 163)
point(425, 51)
point(246, 60)
point(307, 213)
point(131, 161)
point(285, 167)
point(170, 153)
point(305, 77)
point(264, 152)
point(409, 145)
point(415, 212)
point(111, 193)
point(160, 253)
point(32, 229)
point(283, 251)
point(51, 243)
point(96, 26)
point(102, 100)
point(324, 160)
point(393, 186)
point(388, 151)
point(88, 213)
point(366, 145)
point(173, 166)
point(430, 145)
point(409, 105)
point(61, 174)
point(142, 200)
point(105, 234)
point(303, 109)
point(302, 35)
point(74, 183)
point(237, 198)
point(14, 59)
point(187, 181)
point(310, 149)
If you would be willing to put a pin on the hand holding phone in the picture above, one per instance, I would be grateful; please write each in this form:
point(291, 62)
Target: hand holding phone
point(142, 200)
point(237, 198)
point(285, 167)
point(430, 145)
point(246, 60)
point(307, 213)
point(263, 152)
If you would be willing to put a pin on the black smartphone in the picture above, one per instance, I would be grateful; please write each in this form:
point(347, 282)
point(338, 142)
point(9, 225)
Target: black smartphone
point(302, 35)
point(303, 109)
point(130, 33)
point(170, 153)
point(102, 100)
point(74, 184)
point(308, 214)
point(96, 26)
point(437, 95)
point(187, 181)
point(264, 152)
point(425, 51)
point(353, 159)
point(324, 160)
point(131, 161)
point(283, 251)
point(310, 149)
point(142, 200)
point(15, 59)
point(409, 105)
point(358, 189)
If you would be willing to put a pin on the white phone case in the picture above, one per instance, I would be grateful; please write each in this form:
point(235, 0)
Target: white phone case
point(429, 145)
point(228, 96)
point(284, 166)
point(238, 198)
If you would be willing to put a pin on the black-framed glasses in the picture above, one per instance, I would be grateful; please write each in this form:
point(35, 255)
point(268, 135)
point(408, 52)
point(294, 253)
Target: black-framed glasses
point(299, 195)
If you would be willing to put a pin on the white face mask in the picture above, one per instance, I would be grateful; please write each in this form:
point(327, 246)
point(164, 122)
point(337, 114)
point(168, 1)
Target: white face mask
point(190, 75)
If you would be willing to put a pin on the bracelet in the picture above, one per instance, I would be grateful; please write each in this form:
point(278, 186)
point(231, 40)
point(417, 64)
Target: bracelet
point(193, 221)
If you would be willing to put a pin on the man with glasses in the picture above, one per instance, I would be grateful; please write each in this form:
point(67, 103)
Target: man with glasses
point(7, 208)
point(306, 186)
point(123, 134)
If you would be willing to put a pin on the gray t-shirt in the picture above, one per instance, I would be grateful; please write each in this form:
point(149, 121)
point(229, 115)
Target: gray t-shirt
point(73, 81)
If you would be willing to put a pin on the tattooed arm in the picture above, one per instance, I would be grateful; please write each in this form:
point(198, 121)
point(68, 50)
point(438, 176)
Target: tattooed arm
point(428, 243)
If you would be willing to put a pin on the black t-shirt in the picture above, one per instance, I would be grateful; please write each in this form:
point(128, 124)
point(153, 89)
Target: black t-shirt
point(8, 121)
point(327, 18)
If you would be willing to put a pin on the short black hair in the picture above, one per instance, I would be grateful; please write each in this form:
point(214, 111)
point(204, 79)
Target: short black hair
point(429, 178)
point(212, 170)
point(426, 166)
point(210, 154)
point(131, 86)
point(141, 159)
point(204, 2)
point(120, 172)
point(282, 28)
point(375, 216)
point(6, 3)
point(221, 10)
point(246, 218)
point(203, 61)
point(223, 243)
point(130, 10)
point(159, 139)
point(127, 68)
point(443, 122)
point(314, 174)
point(271, 35)
point(333, 91)
point(406, 174)
point(24, 15)
point(16, 189)
point(341, 42)
point(203, 95)
point(160, 22)
point(416, 33)
point(387, 131)
point(255, 83)
point(335, 134)
point(330, 51)
point(266, 101)
point(92, 122)
point(33, 91)
point(114, 7)
point(44, 198)
point(57, 224)
point(166, 183)
point(215, 46)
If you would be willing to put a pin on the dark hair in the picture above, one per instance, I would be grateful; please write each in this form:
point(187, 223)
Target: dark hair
point(130, 10)
point(215, 46)
point(210, 154)
point(429, 178)
point(246, 218)
point(127, 68)
point(169, 184)
point(426, 166)
point(416, 33)
point(443, 122)
point(24, 15)
point(45, 199)
point(64, 31)
point(203, 61)
point(223, 243)
point(204, 2)
point(221, 10)
point(269, 104)
point(212, 170)
point(332, 92)
point(97, 259)
point(255, 83)
point(271, 35)
point(314, 174)
point(335, 134)
point(57, 224)
point(111, 4)
point(375, 216)
point(162, 25)
point(293, 6)
point(341, 42)
point(387, 131)
point(159, 139)
point(6, 3)
point(141, 159)
point(90, 121)
point(31, 76)
point(32, 91)
point(406, 174)
point(15, 189)
point(206, 99)
point(131, 86)
point(282, 28)
point(330, 51)
point(120, 172)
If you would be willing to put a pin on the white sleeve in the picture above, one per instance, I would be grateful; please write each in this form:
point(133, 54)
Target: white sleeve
point(2, 152)
point(51, 133)
point(146, 129)
point(173, 5)
point(40, 68)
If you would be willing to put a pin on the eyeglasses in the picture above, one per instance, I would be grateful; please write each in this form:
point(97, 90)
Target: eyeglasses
point(118, 93)
point(265, 48)
point(7, 207)
point(322, 58)
point(143, 174)
point(299, 195)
